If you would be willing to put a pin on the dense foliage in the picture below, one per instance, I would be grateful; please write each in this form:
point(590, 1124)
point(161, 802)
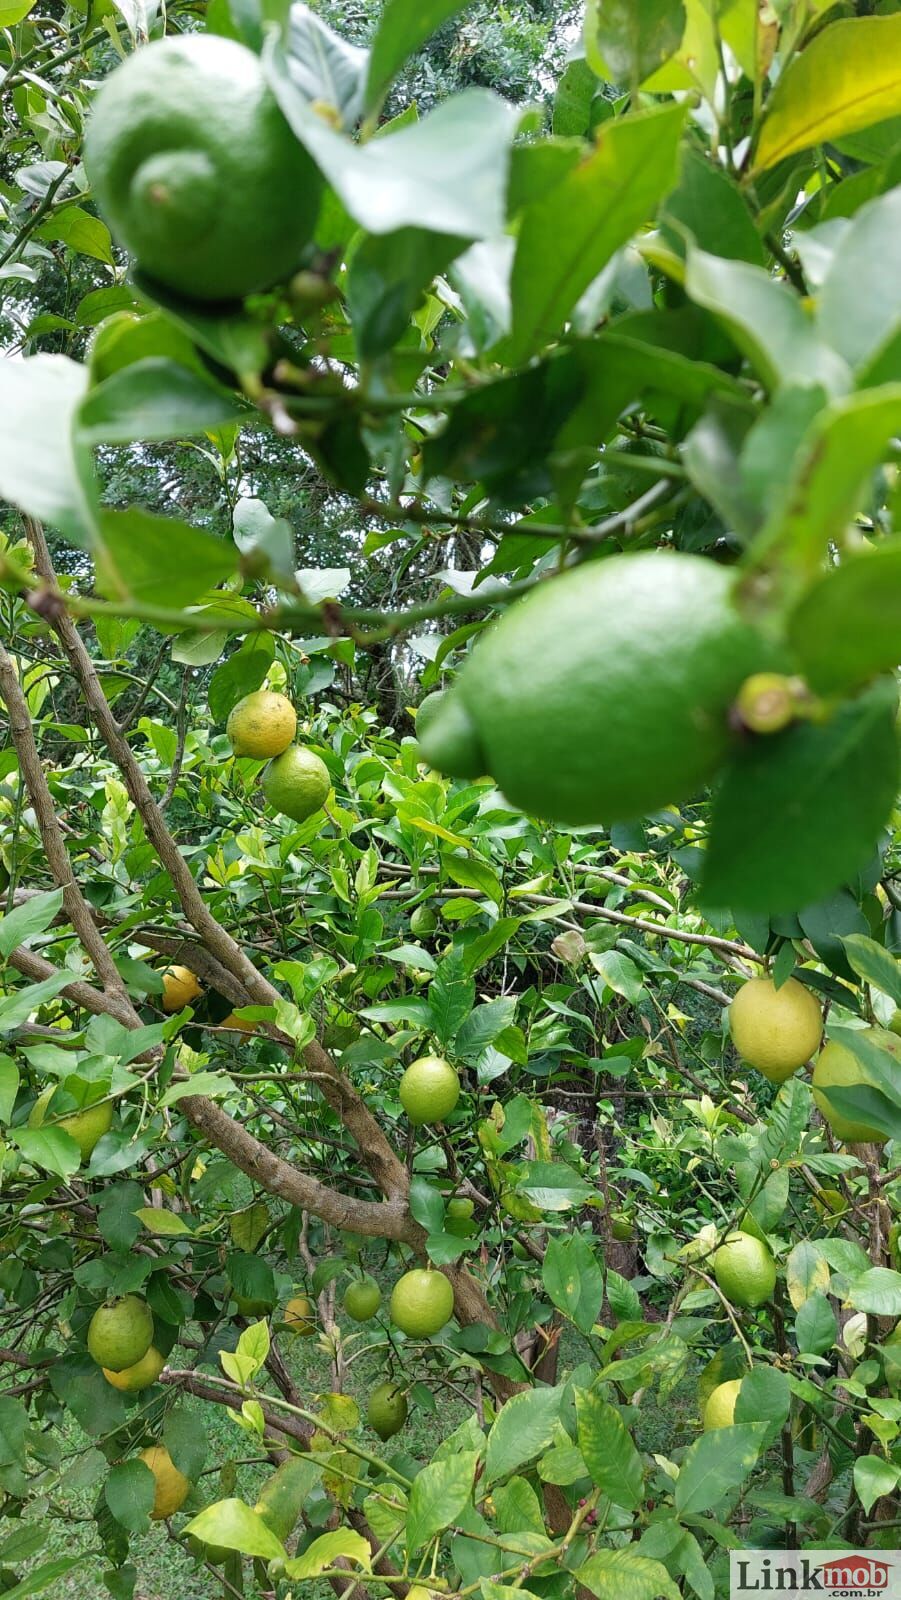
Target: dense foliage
point(436, 1089)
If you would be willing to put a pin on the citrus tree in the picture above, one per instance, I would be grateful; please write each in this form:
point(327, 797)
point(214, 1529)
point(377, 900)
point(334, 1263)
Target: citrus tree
point(448, 1133)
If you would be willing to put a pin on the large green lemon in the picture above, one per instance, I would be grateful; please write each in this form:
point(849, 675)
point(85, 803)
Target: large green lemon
point(121, 1332)
point(429, 1090)
point(836, 1064)
point(605, 693)
point(776, 1030)
point(719, 1412)
point(297, 783)
point(262, 724)
point(745, 1270)
point(171, 1486)
point(422, 1301)
point(386, 1410)
point(196, 170)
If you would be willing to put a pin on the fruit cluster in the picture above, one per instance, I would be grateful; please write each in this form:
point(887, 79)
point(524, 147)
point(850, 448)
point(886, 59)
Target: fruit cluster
point(296, 781)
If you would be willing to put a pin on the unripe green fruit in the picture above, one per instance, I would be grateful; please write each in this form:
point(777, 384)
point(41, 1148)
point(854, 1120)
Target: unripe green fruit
point(423, 921)
point(386, 1410)
point(362, 1299)
point(776, 1030)
point(422, 1301)
point(605, 693)
point(767, 702)
point(121, 1332)
point(190, 160)
point(460, 1206)
point(745, 1270)
point(621, 1227)
point(85, 1127)
point(297, 783)
point(429, 1090)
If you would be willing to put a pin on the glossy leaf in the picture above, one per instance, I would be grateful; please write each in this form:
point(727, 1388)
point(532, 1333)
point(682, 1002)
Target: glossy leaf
point(324, 1551)
point(798, 813)
point(569, 235)
point(625, 1575)
point(857, 307)
point(627, 40)
point(128, 1492)
point(608, 1452)
point(573, 1279)
point(439, 1494)
point(873, 963)
point(33, 916)
point(524, 1427)
point(846, 626)
point(767, 321)
point(236, 1526)
point(715, 1463)
point(157, 560)
point(154, 399)
point(847, 78)
point(404, 26)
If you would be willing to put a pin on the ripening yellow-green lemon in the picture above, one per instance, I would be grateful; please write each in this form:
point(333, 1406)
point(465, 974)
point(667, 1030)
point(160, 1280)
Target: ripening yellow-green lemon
point(262, 724)
point(719, 1411)
point(172, 1487)
point(745, 1270)
point(121, 1332)
point(131, 1380)
point(837, 1066)
point(776, 1030)
point(180, 987)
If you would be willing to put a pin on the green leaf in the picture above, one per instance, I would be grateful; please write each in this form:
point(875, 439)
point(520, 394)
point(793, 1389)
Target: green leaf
point(324, 1551)
point(483, 1026)
point(524, 1427)
point(451, 994)
point(876, 1291)
point(806, 1272)
point(872, 962)
point(845, 628)
point(246, 1228)
point(49, 1148)
point(262, 537)
point(45, 1577)
point(766, 320)
point(235, 1526)
point(626, 1575)
point(619, 972)
point(13, 11)
point(440, 1492)
point(129, 1492)
point(573, 1279)
point(184, 1436)
point(798, 813)
point(33, 916)
point(629, 39)
point(847, 441)
point(16, 1008)
point(85, 234)
point(715, 1463)
point(447, 173)
point(816, 1329)
point(9, 1087)
point(39, 469)
point(567, 236)
point(607, 1449)
point(874, 1477)
point(426, 1205)
point(404, 26)
point(711, 207)
point(386, 279)
point(154, 400)
point(325, 67)
point(857, 306)
point(847, 78)
point(157, 560)
point(241, 674)
point(157, 1220)
point(765, 1396)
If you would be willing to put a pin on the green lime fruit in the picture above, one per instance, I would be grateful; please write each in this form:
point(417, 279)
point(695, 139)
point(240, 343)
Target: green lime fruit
point(362, 1299)
point(837, 1066)
point(282, 1496)
point(196, 170)
point(250, 1306)
point(131, 1380)
point(262, 724)
point(428, 709)
point(745, 1270)
point(171, 1486)
point(719, 1412)
point(386, 1410)
point(605, 693)
point(832, 1203)
point(423, 921)
point(460, 1206)
point(429, 1090)
point(422, 1301)
point(297, 783)
point(215, 1554)
point(776, 1030)
point(621, 1227)
point(121, 1332)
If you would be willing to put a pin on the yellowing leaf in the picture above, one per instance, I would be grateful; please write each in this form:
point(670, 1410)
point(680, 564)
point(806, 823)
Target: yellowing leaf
point(159, 1221)
point(436, 828)
point(848, 78)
